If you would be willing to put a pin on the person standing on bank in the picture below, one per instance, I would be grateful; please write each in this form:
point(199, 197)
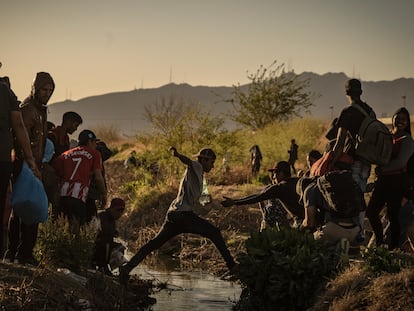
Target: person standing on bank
point(34, 111)
point(293, 155)
point(10, 118)
point(59, 136)
point(391, 181)
point(180, 217)
point(76, 167)
point(350, 121)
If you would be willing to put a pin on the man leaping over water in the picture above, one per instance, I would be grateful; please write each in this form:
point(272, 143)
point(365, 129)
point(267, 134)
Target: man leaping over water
point(180, 217)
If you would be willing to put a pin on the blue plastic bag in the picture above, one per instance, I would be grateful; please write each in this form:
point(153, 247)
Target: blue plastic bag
point(29, 199)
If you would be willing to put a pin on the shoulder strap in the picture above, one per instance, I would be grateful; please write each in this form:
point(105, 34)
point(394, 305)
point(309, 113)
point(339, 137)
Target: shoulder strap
point(362, 110)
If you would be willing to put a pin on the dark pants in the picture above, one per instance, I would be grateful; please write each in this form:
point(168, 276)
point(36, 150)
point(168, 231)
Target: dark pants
point(22, 238)
point(388, 190)
point(74, 209)
point(5, 174)
point(183, 222)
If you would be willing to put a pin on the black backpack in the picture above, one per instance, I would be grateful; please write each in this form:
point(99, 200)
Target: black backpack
point(342, 194)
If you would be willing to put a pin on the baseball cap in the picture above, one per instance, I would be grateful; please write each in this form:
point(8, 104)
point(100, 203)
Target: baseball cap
point(282, 166)
point(118, 202)
point(206, 153)
point(353, 85)
point(85, 135)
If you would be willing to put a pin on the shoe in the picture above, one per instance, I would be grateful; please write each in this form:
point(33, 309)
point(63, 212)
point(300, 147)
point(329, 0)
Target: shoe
point(9, 257)
point(123, 275)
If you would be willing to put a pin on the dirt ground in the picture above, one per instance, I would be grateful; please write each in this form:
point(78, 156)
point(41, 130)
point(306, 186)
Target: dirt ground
point(43, 288)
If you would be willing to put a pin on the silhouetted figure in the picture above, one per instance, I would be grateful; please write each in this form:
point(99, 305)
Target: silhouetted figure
point(255, 159)
point(293, 155)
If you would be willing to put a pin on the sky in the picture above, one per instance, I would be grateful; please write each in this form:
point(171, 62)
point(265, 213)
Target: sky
point(94, 47)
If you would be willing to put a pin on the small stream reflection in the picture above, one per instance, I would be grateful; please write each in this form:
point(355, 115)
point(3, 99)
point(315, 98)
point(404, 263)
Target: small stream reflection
point(190, 290)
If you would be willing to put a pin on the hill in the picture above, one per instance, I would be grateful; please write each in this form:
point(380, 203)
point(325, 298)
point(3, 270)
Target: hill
point(125, 110)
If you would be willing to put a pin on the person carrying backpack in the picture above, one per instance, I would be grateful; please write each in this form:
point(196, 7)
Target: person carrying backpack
point(349, 123)
point(332, 204)
point(392, 180)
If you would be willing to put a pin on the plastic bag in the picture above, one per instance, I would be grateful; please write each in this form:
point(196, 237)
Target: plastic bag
point(28, 199)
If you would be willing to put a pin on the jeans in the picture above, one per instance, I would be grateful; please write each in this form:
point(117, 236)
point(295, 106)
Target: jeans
point(360, 173)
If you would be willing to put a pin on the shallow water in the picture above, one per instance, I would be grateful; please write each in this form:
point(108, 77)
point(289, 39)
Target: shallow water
point(195, 291)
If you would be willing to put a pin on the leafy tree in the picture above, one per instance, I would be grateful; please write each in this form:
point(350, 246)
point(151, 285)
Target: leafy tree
point(272, 95)
point(186, 126)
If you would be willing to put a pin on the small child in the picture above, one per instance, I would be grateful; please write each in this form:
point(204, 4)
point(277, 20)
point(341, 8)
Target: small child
point(105, 244)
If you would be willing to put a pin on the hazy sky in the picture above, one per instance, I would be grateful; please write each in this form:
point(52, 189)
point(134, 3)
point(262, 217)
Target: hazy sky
point(93, 47)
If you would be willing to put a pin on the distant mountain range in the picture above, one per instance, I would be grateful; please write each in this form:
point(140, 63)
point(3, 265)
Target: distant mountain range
point(125, 110)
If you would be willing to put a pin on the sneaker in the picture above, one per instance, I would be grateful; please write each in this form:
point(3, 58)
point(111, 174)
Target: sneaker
point(9, 256)
point(123, 275)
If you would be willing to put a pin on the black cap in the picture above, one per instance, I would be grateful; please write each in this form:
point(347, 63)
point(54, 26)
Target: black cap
point(86, 135)
point(206, 153)
point(281, 166)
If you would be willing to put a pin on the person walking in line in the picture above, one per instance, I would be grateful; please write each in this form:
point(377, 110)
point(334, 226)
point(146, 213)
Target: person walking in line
point(255, 159)
point(349, 121)
point(59, 136)
point(10, 119)
point(180, 217)
point(293, 155)
point(392, 180)
point(34, 111)
point(76, 167)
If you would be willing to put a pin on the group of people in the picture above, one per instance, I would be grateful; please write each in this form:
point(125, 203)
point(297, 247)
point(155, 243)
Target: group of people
point(70, 174)
point(73, 178)
point(299, 201)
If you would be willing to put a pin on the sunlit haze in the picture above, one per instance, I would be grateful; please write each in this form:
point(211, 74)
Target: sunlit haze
point(93, 47)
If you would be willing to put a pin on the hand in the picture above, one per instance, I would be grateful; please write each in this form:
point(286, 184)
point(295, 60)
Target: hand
point(173, 149)
point(227, 202)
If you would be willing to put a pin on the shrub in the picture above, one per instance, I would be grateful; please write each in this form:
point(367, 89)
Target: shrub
point(61, 245)
point(283, 268)
point(380, 259)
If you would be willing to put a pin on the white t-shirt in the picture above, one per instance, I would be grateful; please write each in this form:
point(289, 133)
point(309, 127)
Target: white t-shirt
point(190, 188)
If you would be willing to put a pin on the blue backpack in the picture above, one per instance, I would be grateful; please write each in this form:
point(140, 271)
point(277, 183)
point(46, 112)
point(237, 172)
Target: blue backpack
point(29, 199)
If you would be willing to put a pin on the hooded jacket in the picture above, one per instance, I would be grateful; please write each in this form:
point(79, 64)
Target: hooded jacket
point(35, 116)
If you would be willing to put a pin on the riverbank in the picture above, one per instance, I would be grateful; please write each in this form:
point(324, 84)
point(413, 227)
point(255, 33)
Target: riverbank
point(46, 288)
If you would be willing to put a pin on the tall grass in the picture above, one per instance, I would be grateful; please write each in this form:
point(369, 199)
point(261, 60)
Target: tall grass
point(274, 140)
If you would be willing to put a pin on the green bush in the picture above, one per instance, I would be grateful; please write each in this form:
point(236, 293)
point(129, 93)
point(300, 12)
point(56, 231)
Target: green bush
point(60, 245)
point(282, 269)
point(380, 259)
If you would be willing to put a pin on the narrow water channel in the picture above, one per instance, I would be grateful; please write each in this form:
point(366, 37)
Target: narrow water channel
point(192, 291)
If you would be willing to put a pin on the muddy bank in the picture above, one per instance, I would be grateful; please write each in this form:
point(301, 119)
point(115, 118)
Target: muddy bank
point(45, 288)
